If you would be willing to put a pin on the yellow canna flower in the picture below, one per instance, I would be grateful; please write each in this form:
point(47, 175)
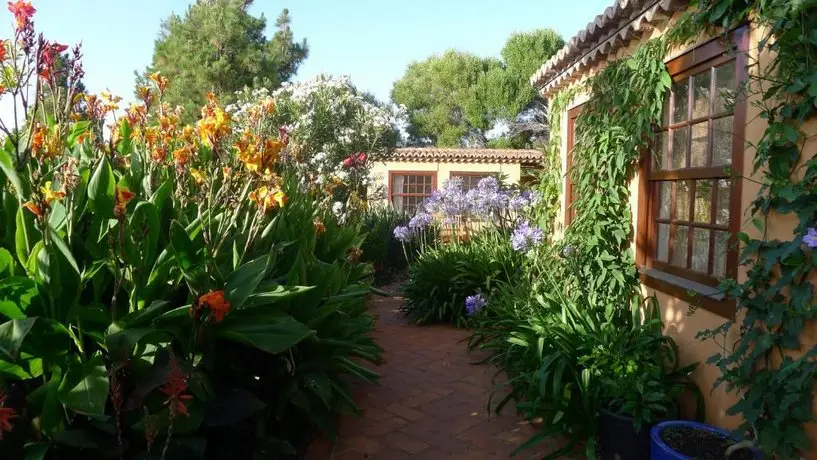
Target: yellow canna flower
point(197, 174)
point(50, 195)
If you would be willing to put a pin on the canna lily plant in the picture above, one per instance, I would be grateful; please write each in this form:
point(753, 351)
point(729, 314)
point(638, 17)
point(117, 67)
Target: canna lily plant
point(139, 257)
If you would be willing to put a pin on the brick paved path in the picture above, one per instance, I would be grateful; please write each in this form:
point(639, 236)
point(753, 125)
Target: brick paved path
point(431, 401)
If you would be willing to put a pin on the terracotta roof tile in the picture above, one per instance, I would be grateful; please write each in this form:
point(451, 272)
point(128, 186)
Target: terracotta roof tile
point(452, 155)
point(624, 21)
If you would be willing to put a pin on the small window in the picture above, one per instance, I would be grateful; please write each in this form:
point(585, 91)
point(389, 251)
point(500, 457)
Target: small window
point(470, 180)
point(407, 190)
point(691, 184)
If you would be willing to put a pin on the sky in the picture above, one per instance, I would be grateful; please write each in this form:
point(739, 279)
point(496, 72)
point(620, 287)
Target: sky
point(371, 40)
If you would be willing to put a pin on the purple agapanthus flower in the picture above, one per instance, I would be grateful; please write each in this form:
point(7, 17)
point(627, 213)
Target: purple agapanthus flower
point(532, 196)
point(420, 221)
point(526, 236)
point(811, 238)
point(518, 203)
point(474, 303)
point(402, 234)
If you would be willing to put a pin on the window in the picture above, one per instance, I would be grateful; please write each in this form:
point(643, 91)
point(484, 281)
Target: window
point(692, 200)
point(408, 189)
point(471, 179)
point(570, 188)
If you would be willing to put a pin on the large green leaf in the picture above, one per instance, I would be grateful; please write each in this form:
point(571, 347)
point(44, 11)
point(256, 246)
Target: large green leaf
point(25, 235)
point(182, 245)
point(143, 230)
point(274, 294)
point(59, 243)
point(16, 295)
point(232, 407)
point(101, 189)
point(89, 393)
point(277, 335)
point(7, 165)
point(6, 263)
point(120, 341)
point(12, 334)
point(244, 281)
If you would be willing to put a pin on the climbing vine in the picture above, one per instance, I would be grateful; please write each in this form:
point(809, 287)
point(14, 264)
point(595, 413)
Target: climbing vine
point(615, 127)
point(768, 367)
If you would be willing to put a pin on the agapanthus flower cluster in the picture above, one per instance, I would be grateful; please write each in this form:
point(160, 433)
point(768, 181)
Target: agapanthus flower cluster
point(810, 239)
point(525, 236)
point(474, 304)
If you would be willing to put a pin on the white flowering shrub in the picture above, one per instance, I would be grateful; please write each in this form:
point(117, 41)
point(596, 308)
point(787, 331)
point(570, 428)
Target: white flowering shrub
point(335, 133)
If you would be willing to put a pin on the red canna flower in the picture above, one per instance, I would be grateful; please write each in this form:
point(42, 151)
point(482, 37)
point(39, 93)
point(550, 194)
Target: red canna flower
point(31, 206)
point(7, 414)
point(175, 387)
point(356, 159)
point(3, 50)
point(22, 12)
point(213, 301)
point(123, 196)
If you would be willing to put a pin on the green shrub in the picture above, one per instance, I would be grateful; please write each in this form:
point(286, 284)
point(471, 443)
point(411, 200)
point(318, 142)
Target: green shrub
point(565, 359)
point(442, 276)
point(380, 248)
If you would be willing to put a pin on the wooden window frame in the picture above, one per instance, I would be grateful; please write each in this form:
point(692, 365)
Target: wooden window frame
point(454, 174)
point(707, 55)
point(572, 116)
point(391, 193)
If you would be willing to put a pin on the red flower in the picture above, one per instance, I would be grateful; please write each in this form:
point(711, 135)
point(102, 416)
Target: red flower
point(50, 51)
point(213, 301)
point(356, 159)
point(31, 206)
point(122, 197)
point(22, 12)
point(283, 135)
point(175, 386)
point(6, 415)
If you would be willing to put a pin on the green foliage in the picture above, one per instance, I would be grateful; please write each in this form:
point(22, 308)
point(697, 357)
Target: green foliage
point(453, 99)
point(441, 277)
point(380, 248)
point(217, 46)
point(565, 358)
point(615, 126)
point(770, 368)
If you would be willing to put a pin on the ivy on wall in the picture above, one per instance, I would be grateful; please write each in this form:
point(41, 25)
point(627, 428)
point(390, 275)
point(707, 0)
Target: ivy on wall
point(615, 127)
point(769, 368)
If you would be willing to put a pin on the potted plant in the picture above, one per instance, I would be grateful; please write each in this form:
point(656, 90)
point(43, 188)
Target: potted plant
point(679, 439)
point(640, 381)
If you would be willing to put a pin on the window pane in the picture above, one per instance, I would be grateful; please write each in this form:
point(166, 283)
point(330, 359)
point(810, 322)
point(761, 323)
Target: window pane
point(722, 211)
point(662, 252)
point(700, 249)
point(680, 241)
point(721, 246)
point(722, 141)
point(725, 87)
point(661, 151)
point(665, 193)
point(703, 201)
point(679, 147)
point(665, 111)
point(700, 141)
point(682, 200)
point(680, 94)
point(700, 94)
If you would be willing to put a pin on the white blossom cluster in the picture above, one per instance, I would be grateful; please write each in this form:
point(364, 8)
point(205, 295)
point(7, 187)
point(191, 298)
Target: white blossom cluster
point(328, 120)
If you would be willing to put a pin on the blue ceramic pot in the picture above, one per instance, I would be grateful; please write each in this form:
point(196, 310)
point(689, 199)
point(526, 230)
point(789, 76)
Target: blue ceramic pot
point(659, 450)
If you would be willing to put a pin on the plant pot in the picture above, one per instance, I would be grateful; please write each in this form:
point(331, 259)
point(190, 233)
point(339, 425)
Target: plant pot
point(697, 436)
point(618, 439)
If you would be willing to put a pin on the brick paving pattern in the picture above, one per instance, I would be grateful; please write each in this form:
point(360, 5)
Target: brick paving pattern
point(431, 400)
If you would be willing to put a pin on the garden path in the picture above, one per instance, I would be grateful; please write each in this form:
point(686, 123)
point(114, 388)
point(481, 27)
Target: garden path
point(431, 400)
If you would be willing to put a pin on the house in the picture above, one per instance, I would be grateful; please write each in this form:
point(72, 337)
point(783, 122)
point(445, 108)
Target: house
point(410, 174)
point(692, 193)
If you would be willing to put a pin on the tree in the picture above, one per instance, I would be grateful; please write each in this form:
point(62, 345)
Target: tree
point(441, 96)
point(455, 98)
point(219, 47)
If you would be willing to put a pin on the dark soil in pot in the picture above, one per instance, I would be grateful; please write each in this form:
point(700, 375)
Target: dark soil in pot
point(701, 445)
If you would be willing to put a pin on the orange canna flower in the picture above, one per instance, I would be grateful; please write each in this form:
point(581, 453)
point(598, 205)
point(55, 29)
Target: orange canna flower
point(144, 93)
point(320, 227)
point(51, 195)
point(182, 155)
point(268, 105)
point(22, 12)
point(215, 302)
point(279, 198)
point(3, 44)
point(7, 414)
point(160, 81)
point(123, 196)
point(267, 199)
point(31, 206)
point(37, 140)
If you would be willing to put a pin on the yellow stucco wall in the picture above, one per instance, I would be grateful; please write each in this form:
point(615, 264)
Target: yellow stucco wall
point(679, 324)
point(511, 172)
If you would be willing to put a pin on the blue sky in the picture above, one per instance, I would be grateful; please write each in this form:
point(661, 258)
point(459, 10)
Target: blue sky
point(371, 40)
